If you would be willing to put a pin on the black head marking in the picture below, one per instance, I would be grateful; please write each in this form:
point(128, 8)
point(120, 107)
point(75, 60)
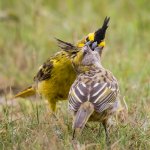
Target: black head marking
point(100, 33)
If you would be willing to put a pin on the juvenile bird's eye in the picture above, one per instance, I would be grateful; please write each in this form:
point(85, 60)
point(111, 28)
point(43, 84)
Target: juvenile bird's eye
point(85, 52)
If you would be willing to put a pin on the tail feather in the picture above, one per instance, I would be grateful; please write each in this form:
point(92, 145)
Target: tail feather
point(83, 114)
point(26, 93)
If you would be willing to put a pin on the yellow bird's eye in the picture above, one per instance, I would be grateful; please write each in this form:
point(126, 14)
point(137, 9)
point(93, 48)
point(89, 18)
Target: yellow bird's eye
point(102, 44)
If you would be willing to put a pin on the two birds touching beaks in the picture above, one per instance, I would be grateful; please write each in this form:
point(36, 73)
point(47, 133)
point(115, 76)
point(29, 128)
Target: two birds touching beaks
point(76, 73)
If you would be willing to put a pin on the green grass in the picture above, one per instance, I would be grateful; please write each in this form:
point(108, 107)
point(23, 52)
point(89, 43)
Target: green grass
point(27, 31)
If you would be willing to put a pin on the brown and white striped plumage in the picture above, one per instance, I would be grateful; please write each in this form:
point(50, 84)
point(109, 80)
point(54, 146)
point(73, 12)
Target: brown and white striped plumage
point(94, 94)
point(97, 86)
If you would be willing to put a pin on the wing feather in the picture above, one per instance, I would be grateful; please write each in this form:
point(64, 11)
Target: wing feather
point(100, 94)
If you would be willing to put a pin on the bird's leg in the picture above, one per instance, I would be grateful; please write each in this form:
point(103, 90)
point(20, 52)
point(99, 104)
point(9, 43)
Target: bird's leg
point(52, 106)
point(74, 141)
point(73, 134)
point(107, 134)
point(99, 130)
point(54, 116)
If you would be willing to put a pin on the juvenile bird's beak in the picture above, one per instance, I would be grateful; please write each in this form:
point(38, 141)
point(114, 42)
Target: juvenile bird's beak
point(88, 43)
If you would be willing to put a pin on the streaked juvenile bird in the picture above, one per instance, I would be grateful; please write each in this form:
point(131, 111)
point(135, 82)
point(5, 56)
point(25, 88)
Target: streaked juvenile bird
point(56, 75)
point(94, 94)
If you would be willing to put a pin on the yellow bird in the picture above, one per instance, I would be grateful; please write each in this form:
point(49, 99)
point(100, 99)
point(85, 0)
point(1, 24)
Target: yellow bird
point(56, 75)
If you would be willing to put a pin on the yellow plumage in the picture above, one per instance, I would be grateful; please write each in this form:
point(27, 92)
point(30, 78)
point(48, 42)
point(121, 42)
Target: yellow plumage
point(102, 44)
point(91, 36)
point(56, 88)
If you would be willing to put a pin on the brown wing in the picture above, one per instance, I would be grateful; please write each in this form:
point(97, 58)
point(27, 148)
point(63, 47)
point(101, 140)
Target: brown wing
point(44, 72)
point(101, 95)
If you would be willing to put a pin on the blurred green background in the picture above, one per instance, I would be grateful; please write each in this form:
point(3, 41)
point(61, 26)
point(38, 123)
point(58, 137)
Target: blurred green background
point(28, 28)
